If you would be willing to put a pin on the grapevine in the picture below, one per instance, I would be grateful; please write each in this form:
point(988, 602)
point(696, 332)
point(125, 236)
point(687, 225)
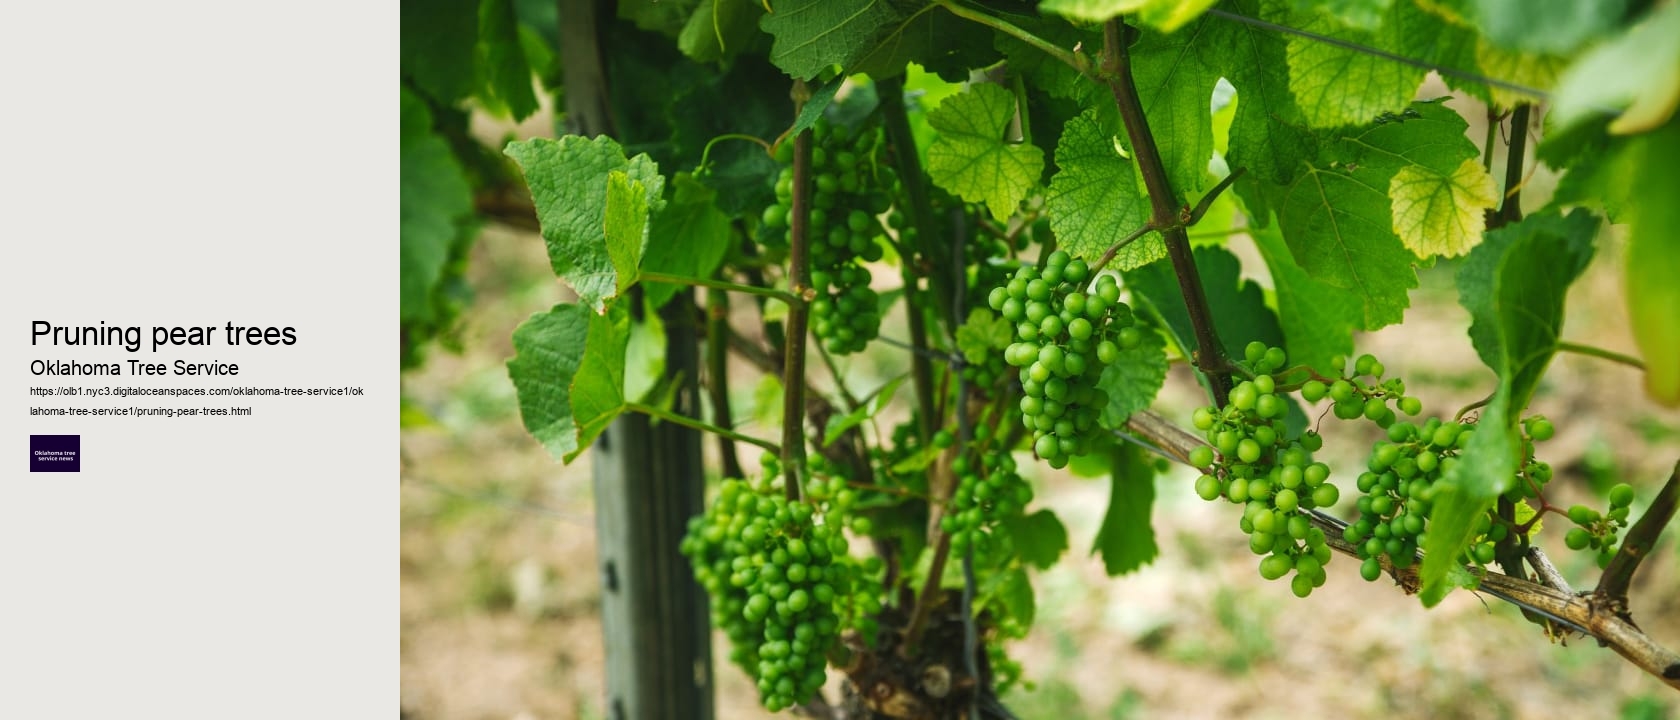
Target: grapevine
point(1030, 183)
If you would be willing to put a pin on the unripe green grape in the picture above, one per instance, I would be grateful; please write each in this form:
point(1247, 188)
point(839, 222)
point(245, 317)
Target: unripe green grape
point(1484, 553)
point(1202, 419)
point(1243, 396)
point(1207, 487)
point(1273, 567)
point(1577, 538)
point(1286, 500)
point(1375, 409)
point(1313, 391)
point(1107, 352)
point(1370, 569)
point(1621, 495)
point(1248, 450)
point(1201, 456)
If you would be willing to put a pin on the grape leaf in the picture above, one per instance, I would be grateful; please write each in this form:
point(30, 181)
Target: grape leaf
point(749, 98)
point(1639, 71)
point(1339, 230)
point(821, 97)
point(1514, 286)
point(1484, 470)
point(1526, 69)
point(1047, 74)
point(1340, 221)
point(1164, 15)
point(438, 41)
point(1440, 214)
point(970, 157)
point(661, 16)
point(644, 361)
point(878, 401)
point(436, 202)
point(1240, 314)
point(1096, 198)
point(1268, 135)
point(625, 227)
point(568, 182)
point(1126, 539)
point(812, 35)
point(719, 29)
point(1039, 538)
point(983, 333)
point(1557, 28)
point(931, 37)
point(1357, 14)
point(1335, 86)
point(1653, 260)
point(1495, 331)
point(1318, 319)
point(505, 74)
point(568, 369)
point(1132, 381)
point(689, 238)
point(1175, 75)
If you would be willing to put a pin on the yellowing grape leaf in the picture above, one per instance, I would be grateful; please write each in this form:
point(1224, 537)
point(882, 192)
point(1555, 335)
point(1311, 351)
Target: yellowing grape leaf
point(1437, 214)
point(1163, 15)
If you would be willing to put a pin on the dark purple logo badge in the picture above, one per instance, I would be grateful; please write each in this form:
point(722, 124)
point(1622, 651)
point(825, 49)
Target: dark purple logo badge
point(55, 453)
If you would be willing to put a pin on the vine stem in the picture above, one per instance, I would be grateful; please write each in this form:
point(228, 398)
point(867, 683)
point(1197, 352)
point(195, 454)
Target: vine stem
point(701, 425)
point(669, 279)
point(1117, 71)
point(1598, 352)
point(1641, 538)
point(1115, 249)
point(1588, 614)
point(1189, 220)
point(799, 281)
point(717, 375)
point(706, 155)
point(1007, 28)
point(1511, 210)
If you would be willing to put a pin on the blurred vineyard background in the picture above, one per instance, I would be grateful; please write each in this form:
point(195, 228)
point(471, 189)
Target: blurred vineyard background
point(500, 588)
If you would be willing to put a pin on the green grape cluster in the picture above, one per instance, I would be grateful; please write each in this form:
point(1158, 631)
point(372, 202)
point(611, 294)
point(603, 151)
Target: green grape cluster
point(1398, 492)
point(781, 585)
point(1270, 474)
point(1399, 486)
point(1597, 531)
point(988, 490)
point(1353, 397)
point(1064, 335)
point(850, 188)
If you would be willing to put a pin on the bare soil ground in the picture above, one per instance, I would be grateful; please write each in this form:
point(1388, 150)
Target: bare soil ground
point(500, 617)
